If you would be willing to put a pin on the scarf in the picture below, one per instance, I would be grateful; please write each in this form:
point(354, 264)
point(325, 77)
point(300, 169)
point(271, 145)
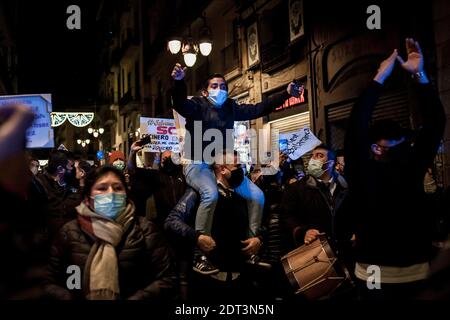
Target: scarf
point(101, 275)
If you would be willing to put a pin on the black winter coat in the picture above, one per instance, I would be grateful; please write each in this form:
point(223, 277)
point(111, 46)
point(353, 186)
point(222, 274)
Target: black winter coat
point(393, 225)
point(145, 267)
point(308, 204)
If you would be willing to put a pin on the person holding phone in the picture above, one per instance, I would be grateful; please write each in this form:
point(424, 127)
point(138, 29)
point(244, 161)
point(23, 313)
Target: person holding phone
point(207, 114)
point(165, 182)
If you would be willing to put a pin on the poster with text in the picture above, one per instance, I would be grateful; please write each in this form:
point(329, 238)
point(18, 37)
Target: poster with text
point(40, 134)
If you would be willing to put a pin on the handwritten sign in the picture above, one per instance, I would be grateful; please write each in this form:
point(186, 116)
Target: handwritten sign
point(40, 134)
point(163, 134)
point(297, 143)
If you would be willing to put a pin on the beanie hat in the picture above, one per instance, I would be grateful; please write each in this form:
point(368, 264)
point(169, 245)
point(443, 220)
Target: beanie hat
point(116, 155)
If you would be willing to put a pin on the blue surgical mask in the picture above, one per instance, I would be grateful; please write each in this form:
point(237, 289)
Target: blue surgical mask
point(315, 168)
point(110, 205)
point(217, 96)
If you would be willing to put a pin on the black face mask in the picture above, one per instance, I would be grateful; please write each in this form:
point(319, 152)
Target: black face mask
point(236, 178)
point(167, 166)
point(70, 177)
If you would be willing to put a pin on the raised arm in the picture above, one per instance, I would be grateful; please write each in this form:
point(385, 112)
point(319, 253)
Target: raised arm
point(134, 149)
point(187, 108)
point(432, 112)
point(357, 135)
point(253, 111)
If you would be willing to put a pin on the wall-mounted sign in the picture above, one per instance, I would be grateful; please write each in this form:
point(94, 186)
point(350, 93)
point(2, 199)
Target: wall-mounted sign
point(296, 25)
point(292, 101)
point(253, 45)
point(40, 134)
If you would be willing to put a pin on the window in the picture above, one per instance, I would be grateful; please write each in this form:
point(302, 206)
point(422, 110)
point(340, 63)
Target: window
point(274, 37)
point(230, 57)
point(137, 87)
point(129, 84)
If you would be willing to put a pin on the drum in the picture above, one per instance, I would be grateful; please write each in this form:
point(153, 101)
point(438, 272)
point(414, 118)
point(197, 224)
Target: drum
point(314, 270)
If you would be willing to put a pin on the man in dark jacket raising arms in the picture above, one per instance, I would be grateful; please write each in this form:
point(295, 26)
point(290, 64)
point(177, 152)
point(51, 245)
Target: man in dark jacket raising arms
point(385, 173)
point(211, 118)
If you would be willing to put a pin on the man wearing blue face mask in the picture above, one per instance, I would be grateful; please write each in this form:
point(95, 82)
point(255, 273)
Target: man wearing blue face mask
point(214, 110)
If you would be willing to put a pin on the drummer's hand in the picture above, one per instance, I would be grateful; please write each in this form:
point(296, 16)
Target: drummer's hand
point(311, 235)
point(252, 246)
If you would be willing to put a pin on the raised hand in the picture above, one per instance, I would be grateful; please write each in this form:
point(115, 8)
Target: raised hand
point(135, 147)
point(414, 64)
point(295, 90)
point(14, 121)
point(178, 72)
point(386, 67)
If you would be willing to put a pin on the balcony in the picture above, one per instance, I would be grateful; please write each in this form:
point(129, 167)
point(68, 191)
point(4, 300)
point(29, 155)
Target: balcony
point(128, 103)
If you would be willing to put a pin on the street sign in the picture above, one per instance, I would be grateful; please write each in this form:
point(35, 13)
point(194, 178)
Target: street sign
point(40, 134)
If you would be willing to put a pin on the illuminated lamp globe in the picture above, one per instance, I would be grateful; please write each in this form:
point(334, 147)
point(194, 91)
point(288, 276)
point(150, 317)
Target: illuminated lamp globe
point(174, 46)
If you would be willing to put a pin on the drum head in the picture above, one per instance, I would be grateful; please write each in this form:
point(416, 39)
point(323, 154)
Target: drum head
point(313, 270)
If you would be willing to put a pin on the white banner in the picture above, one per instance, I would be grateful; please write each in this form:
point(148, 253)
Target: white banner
point(40, 134)
point(163, 134)
point(296, 144)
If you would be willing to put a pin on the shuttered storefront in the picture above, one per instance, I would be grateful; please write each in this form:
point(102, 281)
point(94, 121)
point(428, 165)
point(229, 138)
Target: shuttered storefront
point(289, 124)
point(391, 106)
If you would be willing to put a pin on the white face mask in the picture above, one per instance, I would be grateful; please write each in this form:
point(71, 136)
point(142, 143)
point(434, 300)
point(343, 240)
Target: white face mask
point(217, 96)
point(315, 168)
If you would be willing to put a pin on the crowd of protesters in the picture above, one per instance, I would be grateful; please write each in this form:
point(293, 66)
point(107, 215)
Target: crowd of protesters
point(204, 231)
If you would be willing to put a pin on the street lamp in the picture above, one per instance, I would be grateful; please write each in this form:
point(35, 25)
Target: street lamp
point(96, 132)
point(83, 143)
point(190, 48)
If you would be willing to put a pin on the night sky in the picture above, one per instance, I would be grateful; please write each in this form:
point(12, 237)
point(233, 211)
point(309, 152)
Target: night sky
point(54, 59)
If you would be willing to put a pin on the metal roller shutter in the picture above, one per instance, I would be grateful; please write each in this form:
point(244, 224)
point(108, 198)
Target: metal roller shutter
point(288, 124)
point(390, 106)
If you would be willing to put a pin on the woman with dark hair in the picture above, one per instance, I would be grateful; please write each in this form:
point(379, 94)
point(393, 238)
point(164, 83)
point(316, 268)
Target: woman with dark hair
point(120, 256)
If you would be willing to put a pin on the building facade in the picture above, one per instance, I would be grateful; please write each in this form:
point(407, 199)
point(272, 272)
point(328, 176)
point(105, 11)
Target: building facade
point(260, 46)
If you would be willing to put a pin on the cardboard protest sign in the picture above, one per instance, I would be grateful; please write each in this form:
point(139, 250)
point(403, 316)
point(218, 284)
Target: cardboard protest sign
point(162, 132)
point(296, 144)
